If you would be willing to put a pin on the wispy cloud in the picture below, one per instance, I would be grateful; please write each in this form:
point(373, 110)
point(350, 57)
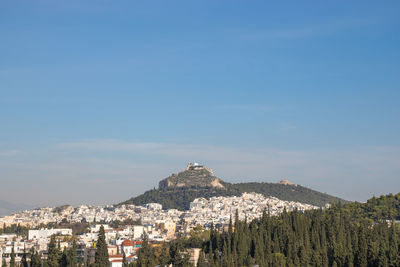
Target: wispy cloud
point(183, 151)
point(303, 31)
point(11, 153)
point(249, 107)
point(265, 162)
point(125, 168)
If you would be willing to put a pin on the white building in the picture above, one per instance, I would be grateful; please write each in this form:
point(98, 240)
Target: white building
point(96, 228)
point(154, 206)
point(137, 231)
point(45, 233)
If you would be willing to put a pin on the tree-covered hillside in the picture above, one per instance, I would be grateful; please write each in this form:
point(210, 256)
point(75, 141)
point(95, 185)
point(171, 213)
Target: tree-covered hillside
point(344, 235)
point(384, 207)
point(180, 198)
point(296, 193)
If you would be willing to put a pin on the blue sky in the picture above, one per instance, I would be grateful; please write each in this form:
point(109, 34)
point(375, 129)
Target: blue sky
point(99, 100)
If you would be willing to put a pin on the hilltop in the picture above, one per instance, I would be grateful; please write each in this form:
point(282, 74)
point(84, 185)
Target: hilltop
point(178, 190)
point(194, 175)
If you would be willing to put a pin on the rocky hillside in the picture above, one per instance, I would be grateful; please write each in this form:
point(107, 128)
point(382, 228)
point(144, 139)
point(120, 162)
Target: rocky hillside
point(194, 175)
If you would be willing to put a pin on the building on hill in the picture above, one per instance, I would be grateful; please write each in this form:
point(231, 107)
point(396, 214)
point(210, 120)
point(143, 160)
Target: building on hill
point(116, 260)
point(167, 227)
point(286, 182)
point(153, 206)
point(45, 233)
point(137, 231)
point(96, 228)
point(195, 167)
point(112, 249)
point(128, 246)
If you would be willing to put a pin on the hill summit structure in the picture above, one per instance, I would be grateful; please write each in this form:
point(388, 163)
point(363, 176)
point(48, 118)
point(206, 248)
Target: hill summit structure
point(195, 166)
point(194, 175)
point(286, 182)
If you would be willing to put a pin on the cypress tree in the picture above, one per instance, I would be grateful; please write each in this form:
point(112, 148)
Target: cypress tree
point(71, 255)
point(259, 250)
point(12, 257)
point(24, 262)
point(382, 260)
point(230, 230)
point(164, 258)
point(224, 258)
point(124, 262)
point(182, 260)
point(202, 261)
point(394, 255)
point(36, 260)
point(64, 258)
point(53, 253)
point(278, 260)
point(210, 244)
point(101, 257)
point(361, 255)
point(331, 237)
point(145, 255)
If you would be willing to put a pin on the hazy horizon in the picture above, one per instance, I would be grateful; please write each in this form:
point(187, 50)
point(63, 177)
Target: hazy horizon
point(99, 100)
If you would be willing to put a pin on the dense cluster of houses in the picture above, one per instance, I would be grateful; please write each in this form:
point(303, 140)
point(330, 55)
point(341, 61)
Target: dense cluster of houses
point(156, 224)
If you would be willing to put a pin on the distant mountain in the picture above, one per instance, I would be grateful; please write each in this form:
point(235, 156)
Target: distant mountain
point(178, 190)
point(8, 208)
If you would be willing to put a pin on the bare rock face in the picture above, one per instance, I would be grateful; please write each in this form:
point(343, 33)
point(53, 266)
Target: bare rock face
point(216, 183)
point(193, 175)
point(164, 184)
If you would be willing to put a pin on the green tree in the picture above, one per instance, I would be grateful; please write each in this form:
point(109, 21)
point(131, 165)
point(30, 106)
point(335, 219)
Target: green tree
point(278, 260)
point(24, 261)
point(182, 260)
point(145, 255)
point(12, 257)
point(202, 261)
point(164, 257)
point(36, 260)
point(64, 258)
point(101, 257)
point(343, 235)
point(124, 262)
point(71, 255)
point(53, 253)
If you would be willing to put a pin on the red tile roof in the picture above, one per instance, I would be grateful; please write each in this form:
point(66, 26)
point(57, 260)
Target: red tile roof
point(116, 256)
point(127, 243)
